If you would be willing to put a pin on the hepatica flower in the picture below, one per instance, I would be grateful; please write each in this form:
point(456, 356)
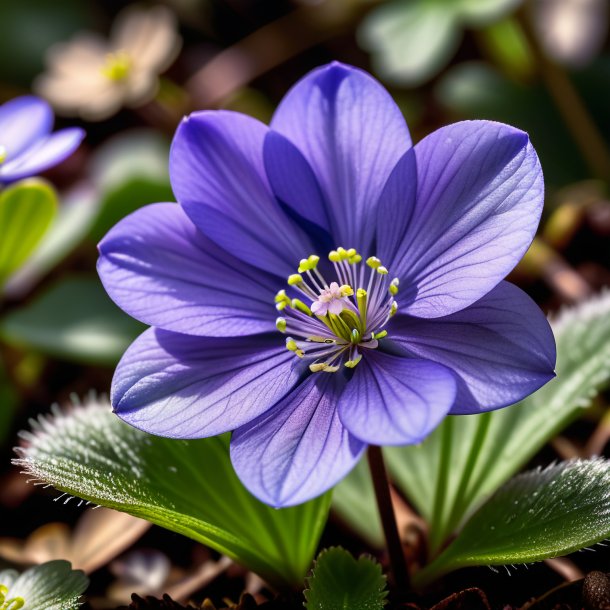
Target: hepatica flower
point(384, 261)
point(27, 146)
point(93, 77)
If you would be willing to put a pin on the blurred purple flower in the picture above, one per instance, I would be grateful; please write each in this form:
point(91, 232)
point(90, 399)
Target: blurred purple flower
point(27, 146)
point(447, 219)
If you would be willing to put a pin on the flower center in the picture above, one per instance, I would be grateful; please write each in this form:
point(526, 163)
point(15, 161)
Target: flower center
point(3, 154)
point(343, 316)
point(10, 604)
point(117, 66)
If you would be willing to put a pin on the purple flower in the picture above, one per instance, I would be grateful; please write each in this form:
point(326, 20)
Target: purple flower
point(27, 146)
point(402, 252)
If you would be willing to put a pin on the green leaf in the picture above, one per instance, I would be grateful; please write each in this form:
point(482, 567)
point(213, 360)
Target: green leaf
point(410, 40)
point(73, 319)
point(478, 13)
point(475, 90)
point(129, 171)
point(50, 586)
point(77, 213)
point(126, 198)
point(340, 582)
point(188, 487)
point(486, 450)
point(536, 515)
point(26, 211)
point(354, 502)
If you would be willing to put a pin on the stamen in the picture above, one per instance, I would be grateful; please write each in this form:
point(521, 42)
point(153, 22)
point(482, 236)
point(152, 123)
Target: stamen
point(3, 154)
point(117, 67)
point(340, 317)
point(10, 604)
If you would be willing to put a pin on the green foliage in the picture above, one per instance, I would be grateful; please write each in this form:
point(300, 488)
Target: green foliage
point(126, 198)
point(188, 487)
point(354, 502)
point(536, 515)
point(411, 40)
point(475, 90)
point(486, 450)
point(73, 319)
point(340, 582)
point(129, 172)
point(49, 586)
point(76, 215)
point(26, 211)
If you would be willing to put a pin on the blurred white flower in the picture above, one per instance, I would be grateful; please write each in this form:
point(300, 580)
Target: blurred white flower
point(93, 77)
point(571, 31)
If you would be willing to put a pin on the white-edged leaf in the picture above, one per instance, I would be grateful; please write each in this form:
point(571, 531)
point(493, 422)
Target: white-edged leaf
point(185, 486)
point(536, 515)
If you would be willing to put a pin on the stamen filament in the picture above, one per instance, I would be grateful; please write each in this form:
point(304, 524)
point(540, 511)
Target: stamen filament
point(339, 318)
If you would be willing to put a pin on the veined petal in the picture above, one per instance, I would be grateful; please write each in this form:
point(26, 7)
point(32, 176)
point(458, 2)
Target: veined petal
point(160, 269)
point(458, 213)
point(218, 176)
point(294, 182)
point(298, 449)
point(501, 348)
point(394, 400)
point(44, 154)
point(23, 121)
point(181, 386)
point(352, 134)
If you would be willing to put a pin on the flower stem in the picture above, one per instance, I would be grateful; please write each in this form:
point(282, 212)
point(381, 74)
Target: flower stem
point(388, 519)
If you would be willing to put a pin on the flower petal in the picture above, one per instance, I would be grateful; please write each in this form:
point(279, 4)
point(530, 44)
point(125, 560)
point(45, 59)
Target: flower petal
point(501, 348)
point(160, 269)
point(352, 134)
point(458, 213)
point(23, 121)
point(218, 176)
point(394, 400)
point(149, 36)
point(44, 154)
point(183, 386)
point(294, 182)
point(298, 449)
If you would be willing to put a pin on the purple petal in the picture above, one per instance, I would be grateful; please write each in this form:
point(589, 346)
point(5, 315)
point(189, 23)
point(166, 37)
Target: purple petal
point(23, 121)
point(352, 134)
point(182, 386)
point(394, 400)
point(458, 213)
point(218, 176)
point(160, 269)
point(44, 154)
point(501, 348)
point(294, 182)
point(298, 449)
